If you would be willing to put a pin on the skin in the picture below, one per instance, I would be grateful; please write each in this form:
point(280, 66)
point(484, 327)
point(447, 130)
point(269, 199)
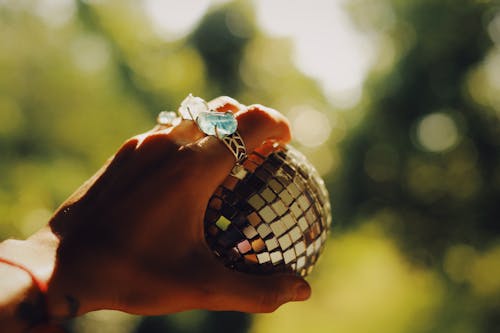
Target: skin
point(131, 237)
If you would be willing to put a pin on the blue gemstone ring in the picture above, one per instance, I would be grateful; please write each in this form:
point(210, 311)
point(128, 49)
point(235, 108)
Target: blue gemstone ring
point(222, 125)
point(219, 124)
point(210, 122)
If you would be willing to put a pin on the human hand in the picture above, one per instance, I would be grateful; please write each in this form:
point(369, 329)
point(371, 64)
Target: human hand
point(132, 238)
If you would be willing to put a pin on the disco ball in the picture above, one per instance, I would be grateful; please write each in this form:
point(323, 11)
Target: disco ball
point(271, 216)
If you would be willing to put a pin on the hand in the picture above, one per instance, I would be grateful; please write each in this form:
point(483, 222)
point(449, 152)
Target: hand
point(132, 239)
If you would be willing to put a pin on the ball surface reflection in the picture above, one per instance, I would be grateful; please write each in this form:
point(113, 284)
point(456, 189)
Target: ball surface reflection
point(272, 216)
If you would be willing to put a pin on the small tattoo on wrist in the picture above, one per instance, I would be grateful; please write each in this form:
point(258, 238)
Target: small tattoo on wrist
point(73, 306)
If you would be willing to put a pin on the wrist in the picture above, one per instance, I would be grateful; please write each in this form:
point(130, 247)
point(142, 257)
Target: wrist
point(37, 293)
point(16, 292)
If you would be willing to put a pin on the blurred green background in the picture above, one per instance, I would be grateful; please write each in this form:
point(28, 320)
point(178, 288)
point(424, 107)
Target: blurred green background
point(397, 103)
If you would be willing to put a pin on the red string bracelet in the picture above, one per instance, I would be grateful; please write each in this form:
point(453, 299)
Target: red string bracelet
point(42, 286)
point(44, 326)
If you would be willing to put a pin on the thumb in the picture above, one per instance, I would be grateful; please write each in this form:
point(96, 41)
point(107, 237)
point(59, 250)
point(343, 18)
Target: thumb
point(256, 293)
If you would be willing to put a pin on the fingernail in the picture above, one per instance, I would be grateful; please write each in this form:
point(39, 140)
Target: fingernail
point(302, 291)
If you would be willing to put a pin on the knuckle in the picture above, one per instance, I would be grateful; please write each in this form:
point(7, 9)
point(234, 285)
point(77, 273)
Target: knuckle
point(131, 142)
point(226, 103)
point(126, 150)
point(260, 111)
point(152, 146)
point(156, 141)
point(128, 145)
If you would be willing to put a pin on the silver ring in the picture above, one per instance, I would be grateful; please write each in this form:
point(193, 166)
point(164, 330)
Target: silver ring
point(234, 142)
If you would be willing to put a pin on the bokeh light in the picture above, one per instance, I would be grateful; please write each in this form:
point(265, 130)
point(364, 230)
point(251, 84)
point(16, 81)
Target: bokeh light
point(437, 132)
point(310, 127)
point(90, 53)
point(169, 25)
point(55, 12)
point(327, 45)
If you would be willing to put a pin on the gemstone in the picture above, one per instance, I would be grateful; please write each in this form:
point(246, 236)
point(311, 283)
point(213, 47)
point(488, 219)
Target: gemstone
point(191, 107)
point(225, 122)
point(166, 117)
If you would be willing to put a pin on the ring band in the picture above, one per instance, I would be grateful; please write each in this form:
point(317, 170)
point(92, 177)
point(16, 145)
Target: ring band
point(234, 142)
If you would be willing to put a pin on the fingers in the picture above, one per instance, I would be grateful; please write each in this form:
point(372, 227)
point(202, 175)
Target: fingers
point(255, 293)
point(225, 104)
point(183, 132)
point(256, 124)
point(186, 131)
point(145, 150)
point(259, 123)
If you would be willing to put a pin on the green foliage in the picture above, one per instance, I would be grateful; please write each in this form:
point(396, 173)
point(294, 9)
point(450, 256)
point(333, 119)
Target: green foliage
point(449, 193)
